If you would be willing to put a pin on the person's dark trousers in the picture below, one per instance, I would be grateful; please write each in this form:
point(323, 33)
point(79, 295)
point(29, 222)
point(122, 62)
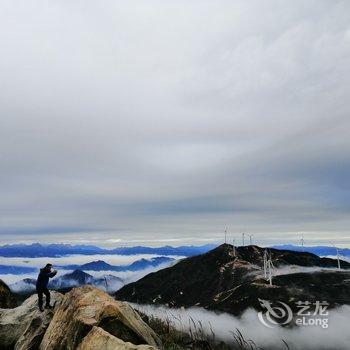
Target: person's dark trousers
point(41, 292)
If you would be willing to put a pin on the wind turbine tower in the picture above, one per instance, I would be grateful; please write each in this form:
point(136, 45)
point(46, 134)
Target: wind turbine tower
point(268, 266)
point(233, 247)
point(250, 239)
point(337, 256)
point(302, 242)
point(243, 235)
point(265, 264)
point(225, 235)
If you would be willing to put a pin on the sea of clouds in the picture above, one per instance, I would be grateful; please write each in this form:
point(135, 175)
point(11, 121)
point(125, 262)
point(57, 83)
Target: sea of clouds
point(127, 276)
point(336, 336)
point(75, 259)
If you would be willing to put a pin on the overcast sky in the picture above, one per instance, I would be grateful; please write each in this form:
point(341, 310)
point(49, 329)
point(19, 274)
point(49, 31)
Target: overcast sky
point(158, 121)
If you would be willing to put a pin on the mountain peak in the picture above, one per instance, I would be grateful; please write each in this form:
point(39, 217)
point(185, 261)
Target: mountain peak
point(222, 278)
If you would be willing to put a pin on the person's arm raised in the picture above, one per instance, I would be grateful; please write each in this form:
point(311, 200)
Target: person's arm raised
point(52, 273)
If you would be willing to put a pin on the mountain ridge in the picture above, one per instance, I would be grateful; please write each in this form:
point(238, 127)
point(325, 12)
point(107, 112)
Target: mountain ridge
point(231, 281)
point(77, 278)
point(138, 265)
point(318, 250)
point(56, 250)
point(98, 265)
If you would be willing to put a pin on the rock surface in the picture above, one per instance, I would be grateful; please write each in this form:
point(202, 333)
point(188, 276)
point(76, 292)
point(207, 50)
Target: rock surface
point(6, 298)
point(85, 318)
point(86, 307)
point(98, 338)
point(23, 327)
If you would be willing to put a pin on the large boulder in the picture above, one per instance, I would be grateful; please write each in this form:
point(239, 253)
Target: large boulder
point(98, 338)
point(85, 307)
point(23, 327)
point(7, 299)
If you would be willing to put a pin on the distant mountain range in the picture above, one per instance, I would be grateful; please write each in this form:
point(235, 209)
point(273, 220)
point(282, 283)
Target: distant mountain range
point(56, 250)
point(99, 265)
point(138, 265)
point(231, 280)
point(318, 250)
point(76, 278)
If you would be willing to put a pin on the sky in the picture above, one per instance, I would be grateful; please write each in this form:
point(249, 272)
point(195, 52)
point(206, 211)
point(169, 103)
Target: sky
point(163, 122)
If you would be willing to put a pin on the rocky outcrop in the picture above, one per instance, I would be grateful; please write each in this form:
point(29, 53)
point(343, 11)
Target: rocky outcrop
point(98, 338)
point(86, 307)
point(6, 298)
point(23, 327)
point(85, 318)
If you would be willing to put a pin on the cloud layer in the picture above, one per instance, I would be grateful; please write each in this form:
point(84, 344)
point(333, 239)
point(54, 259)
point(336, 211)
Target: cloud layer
point(127, 276)
point(171, 120)
point(334, 337)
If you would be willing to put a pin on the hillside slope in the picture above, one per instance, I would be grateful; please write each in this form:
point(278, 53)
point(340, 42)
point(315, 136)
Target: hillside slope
point(232, 281)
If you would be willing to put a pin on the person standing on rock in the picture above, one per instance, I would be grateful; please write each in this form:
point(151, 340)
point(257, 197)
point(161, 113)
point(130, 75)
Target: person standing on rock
point(41, 285)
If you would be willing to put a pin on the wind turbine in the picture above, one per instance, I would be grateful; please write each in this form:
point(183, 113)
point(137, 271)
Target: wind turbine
point(302, 242)
point(268, 266)
point(337, 255)
point(338, 258)
point(250, 239)
point(225, 235)
point(265, 263)
point(233, 247)
point(243, 235)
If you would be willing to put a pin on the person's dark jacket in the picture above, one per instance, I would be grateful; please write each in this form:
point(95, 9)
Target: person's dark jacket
point(43, 278)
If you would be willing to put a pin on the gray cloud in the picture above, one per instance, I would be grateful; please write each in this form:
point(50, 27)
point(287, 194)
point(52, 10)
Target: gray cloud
point(168, 120)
